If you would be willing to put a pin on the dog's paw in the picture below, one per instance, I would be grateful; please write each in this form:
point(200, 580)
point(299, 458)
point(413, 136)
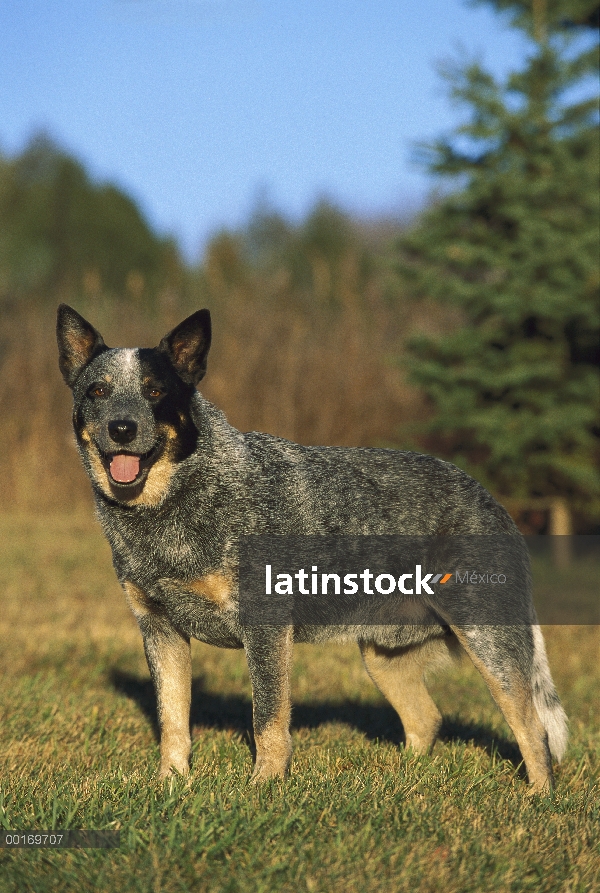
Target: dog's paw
point(266, 770)
point(172, 767)
point(543, 787)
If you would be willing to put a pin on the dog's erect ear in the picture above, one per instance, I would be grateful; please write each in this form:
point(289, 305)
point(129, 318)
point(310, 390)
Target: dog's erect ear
point(187, 346)
point(78, 342)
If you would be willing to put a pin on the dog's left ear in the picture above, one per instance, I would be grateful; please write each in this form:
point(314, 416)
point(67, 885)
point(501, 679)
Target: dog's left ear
point(187, 346)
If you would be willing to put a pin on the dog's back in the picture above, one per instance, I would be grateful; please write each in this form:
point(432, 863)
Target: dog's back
point(363, 491)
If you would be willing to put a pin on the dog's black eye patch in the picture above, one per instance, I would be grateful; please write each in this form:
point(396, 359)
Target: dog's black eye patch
point(98, 389)
point(153, 390)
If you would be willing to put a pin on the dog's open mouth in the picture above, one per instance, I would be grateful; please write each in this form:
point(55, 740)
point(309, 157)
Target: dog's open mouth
point(129, 469)
point(124, 468)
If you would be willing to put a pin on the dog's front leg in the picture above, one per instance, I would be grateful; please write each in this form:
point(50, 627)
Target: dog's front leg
point(169, 659)
point(269, 656)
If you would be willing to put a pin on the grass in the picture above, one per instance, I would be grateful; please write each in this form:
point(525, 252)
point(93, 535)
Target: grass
point(358, 813)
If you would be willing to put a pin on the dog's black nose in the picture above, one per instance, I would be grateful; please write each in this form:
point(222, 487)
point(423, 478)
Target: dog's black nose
point(122, 430)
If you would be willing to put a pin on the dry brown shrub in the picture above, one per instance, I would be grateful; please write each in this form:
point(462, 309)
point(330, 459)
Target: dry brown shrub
point(314, 373)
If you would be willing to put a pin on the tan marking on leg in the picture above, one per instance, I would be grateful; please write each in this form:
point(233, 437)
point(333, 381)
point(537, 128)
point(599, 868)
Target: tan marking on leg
point(138, 601)
point(215, 587)
point(273, 749)
point(518, 709)
point(399, 676)
point(170, 662)
point(173, 674)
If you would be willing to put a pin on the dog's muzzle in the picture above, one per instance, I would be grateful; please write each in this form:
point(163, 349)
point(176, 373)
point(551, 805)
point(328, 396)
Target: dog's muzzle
point(127, 466)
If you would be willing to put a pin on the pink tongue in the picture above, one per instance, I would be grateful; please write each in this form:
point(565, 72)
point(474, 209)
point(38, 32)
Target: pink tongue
point(124, 469)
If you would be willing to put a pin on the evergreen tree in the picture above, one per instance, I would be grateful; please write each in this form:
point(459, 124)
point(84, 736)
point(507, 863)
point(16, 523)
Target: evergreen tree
point(515, 389)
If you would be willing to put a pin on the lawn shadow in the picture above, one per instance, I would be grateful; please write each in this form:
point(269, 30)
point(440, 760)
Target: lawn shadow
point(208, 710)
point(454, 730)
point(381, 722)
point(375, 721)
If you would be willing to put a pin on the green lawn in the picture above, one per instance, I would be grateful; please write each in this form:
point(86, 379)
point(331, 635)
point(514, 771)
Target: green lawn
point(79, 750)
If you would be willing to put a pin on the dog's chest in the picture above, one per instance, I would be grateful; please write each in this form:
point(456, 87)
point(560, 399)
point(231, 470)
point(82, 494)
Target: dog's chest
point(166, 570)
point(150, 546)
point(204, 608)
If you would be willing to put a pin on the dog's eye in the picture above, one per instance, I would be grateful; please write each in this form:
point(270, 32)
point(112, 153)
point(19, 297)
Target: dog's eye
point(154, 393)
point(97, 390)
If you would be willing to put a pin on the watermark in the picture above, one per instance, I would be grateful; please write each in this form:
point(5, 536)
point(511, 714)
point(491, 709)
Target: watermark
point(474, 577)
point(384, 583)
point(70, 839)
point(382, 580)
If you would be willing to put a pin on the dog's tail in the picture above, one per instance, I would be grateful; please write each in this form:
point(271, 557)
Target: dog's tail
point(546, 700)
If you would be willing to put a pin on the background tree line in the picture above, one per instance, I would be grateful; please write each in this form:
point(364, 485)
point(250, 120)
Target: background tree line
point(472, 333)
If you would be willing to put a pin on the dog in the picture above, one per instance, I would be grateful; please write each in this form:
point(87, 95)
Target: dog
point(176, 488)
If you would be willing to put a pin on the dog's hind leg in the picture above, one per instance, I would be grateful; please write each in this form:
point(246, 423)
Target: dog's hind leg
point(399, 675)
point(505, 658)
point(269, 656)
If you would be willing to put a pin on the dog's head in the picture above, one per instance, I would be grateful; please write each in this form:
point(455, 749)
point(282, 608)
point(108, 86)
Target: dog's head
point(132, 406)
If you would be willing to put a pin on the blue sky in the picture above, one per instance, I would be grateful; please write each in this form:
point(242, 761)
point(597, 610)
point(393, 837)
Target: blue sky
point(196, 107)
